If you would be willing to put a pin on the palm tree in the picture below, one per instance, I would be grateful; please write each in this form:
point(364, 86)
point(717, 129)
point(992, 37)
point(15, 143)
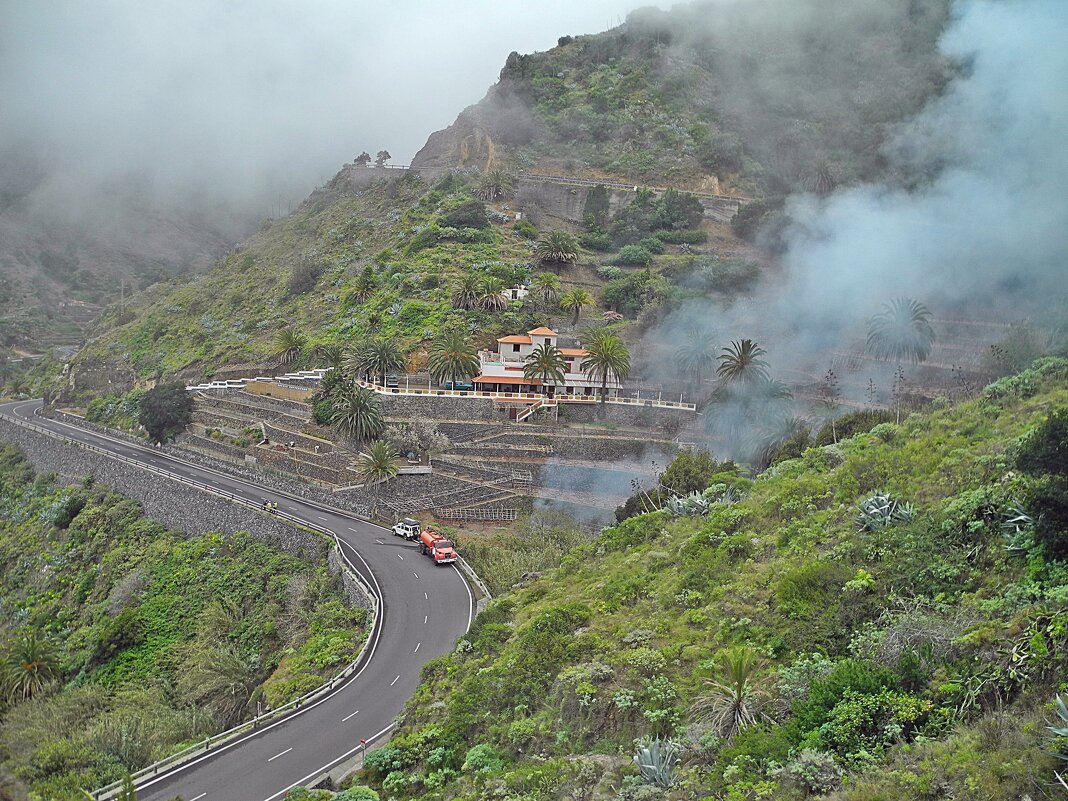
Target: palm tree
point(491, 294)
point(219, 677)
point(329, 354)
point(820, 177)
point(741, 363)
point(288, 345)
point(378, 463)
point(453, 358)
point(696, 356)
point(735, 696)
point(574, 300)
point(607, 358)
point(547, 286)
point(466, 292)
point(556, 247)
point(357, 413)
point(381, 356)
point(364, 284)
point(547, 364)
point(31, 661)
point(494, 185)
point(354, 362)
point(901, 332)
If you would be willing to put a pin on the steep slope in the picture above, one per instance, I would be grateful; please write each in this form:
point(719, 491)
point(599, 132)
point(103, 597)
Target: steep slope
point(59, 267)
point(152, 639)
point(859, 639)
point(701, 98)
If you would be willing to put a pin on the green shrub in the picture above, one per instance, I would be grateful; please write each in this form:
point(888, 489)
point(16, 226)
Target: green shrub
point(633, 256)
point(597, 241)
point(684, 237)
point(1045, 448)
point(482, 758)
point(526, 229)
point(471, 214)
point(849, 425)
point(652, 244)
point(165, 411)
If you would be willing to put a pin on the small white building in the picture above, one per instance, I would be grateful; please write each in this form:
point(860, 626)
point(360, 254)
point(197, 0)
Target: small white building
point(502, 371)
point(517, 292)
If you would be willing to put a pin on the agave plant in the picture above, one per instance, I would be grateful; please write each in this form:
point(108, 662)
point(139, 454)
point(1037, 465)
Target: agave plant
point(656, 760)
point(676, 505)
point(881, 511)
point(697, 504)
point(1059, 732)
point(1017, 525)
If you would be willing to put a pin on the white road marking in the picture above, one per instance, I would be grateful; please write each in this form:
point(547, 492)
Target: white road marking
point(324, 518)
point(399, 556)
point(194, 798)
point(272, 759)
point(350, 715)
point(354, 531)
point(394, 681)
point(415, 574)
point(425, 618)
point(380, 542)
point(417, 648)
point(426, 596)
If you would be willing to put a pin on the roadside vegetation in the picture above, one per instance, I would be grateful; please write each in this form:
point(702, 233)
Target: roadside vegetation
point(122, 641)
point(878, 618)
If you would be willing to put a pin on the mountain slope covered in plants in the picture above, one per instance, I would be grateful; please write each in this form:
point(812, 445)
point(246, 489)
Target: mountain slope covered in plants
point(880, 618)
point(122, 641)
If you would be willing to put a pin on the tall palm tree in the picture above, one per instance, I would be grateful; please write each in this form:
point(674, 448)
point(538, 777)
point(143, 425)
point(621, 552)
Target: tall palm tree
point(696, 356)
point(364, 284)
point(547, 364)
point(31, 661)
point(466, 292)
point(329, 355)
point(217, 676)
point(354, 362)
point(901, 332)
point(556, 247)
point(289, 345)
point(490, 294)
point(741, 363)
point(381, 356)
point(574, 301)
point(607, 358)
point(547, 286)
point(453, 358)
point(736, 695)
point(357, 413)
point(378, 463)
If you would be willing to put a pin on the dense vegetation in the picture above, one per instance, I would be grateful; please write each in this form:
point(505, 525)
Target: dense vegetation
point(770, 96)
point(148, 639)
point(881, 618)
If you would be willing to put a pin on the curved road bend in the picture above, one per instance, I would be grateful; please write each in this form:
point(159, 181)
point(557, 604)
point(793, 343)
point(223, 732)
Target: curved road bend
point(425, 609)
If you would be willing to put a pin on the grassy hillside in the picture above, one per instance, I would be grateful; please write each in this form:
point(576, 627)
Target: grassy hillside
point(150, 639)
point(766, 96)
point(702, 97)
point(916, 656)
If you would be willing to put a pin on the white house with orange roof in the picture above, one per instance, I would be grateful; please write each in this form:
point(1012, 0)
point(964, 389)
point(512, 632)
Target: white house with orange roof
point(502, 371)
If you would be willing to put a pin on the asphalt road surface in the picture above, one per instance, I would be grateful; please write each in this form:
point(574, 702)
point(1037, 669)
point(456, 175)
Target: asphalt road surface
point(425, 609)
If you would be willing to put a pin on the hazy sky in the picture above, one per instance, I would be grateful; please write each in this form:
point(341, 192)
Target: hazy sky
point(253, 97)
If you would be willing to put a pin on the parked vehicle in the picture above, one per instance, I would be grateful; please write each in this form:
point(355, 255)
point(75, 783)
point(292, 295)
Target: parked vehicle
point(437, 546)
point(460, 386)
point(407, 528)
point(392, 381)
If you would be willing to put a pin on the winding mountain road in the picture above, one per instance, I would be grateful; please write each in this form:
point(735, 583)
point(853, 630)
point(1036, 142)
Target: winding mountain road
point(424, 610)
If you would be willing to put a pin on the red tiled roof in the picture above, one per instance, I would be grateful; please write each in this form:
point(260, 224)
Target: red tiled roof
point(574, 351)
point(505, 379)
point(542, 332)
point(516, 339)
